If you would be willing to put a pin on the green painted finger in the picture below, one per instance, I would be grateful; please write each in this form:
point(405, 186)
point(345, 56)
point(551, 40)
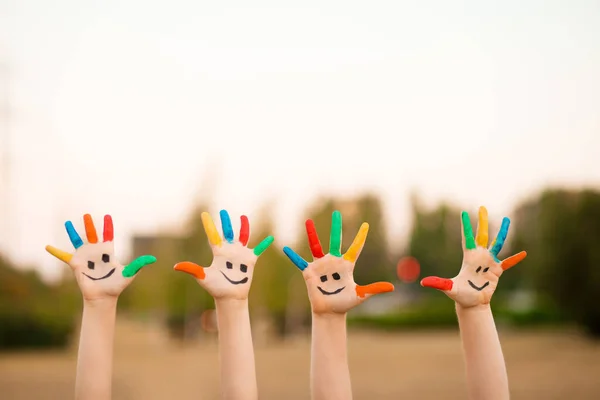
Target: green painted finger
point(133, 267)
point(262, 246)
point(335, 239)
point(468, 231)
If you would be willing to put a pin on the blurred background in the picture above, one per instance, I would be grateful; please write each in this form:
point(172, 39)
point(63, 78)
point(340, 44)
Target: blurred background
point(400, 114)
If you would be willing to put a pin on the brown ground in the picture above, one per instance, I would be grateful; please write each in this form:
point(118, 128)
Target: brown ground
point(416, 365)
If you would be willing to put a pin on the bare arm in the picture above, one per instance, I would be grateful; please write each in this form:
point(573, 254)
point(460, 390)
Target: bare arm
point(329, 373)
point(94, 362)
point(486, 371)
point(238, 375)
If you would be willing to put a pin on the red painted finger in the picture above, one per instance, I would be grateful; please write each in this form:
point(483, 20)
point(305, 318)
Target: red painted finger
point(313, 239)
point(244, 230)
point(437, 283)
point(108, 229)
point(374, 288)
point(190, 268)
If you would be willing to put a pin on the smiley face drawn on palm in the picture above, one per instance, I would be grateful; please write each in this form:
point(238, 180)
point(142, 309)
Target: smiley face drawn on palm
point(94, 264)
point(480, 272)
point(230, 274)
point(329, 278)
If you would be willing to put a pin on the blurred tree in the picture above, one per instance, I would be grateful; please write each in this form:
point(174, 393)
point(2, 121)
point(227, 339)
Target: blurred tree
point(270, 293)
point(560, 231)
point(435, 239)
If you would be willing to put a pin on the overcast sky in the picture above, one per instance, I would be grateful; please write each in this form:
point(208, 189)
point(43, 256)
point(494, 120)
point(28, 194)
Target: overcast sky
point(123, 106)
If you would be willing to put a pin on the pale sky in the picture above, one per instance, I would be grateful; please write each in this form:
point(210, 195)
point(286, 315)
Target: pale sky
point(121, 107)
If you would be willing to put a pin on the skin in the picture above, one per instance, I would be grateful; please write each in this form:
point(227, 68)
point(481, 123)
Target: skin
point(330, 300)
point(228, 279)
point(472, 290)
point(100, 283)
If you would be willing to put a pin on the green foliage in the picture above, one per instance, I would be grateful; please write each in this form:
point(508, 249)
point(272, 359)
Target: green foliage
point(32, 313)
point(560, 231)
point(435, 240)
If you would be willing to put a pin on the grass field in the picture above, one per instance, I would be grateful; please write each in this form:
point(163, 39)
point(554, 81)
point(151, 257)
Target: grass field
point(416, 365)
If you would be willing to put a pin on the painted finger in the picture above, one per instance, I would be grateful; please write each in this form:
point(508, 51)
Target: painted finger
point(513, 260)
point(295, 258)
point(226, 225)
point(482, 228)
point(262, 246)
point(73, 235)
point(335, 238)
point(90, 229)
point(500, 238)
point(356, 247)
point(211, 230)
point(313, 239)
point(244, 230)
point(134, 267)
point(61, 255)
point(108, 233)
point(190, 268)
point(437, 283)
point(467, 230)
point(373, 288)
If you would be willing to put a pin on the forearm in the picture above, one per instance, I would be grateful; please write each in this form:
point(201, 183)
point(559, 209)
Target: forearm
point(329, 374)
point(238, 373)
point(94, 362)
point(486, 370)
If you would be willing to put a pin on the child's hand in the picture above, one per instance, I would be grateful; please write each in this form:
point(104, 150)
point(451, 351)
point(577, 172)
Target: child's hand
point(480, 271)
point(230, 274)
point(329, 278)
point(96, 268)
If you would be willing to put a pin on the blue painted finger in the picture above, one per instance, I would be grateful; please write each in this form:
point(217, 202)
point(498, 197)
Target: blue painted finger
point(226, 224)
point(295, 258)
point(73, 235)
point(499, 242)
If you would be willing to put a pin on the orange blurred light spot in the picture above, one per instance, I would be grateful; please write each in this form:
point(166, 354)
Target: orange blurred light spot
point(408, 269)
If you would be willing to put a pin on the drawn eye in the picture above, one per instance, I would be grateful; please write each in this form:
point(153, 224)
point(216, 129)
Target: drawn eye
point(323, 278)
point(105, 258)
point(486, 269)
point(336, 276)
point(478, 269)
point(243, 268)
point(91, 265)
point(229, 265)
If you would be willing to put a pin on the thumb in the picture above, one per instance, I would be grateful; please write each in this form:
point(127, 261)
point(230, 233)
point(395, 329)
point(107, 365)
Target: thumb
point(442, 284)
point(190, 268)
point(374, 288)
point(133, 267)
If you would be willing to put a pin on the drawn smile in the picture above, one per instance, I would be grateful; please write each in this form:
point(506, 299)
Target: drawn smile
point(103, 277)
point(325, 292)
point(480, 288)
point(235, 282)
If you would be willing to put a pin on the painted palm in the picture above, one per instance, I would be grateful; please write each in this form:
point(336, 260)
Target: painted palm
point(481, 269)
point(329, 278)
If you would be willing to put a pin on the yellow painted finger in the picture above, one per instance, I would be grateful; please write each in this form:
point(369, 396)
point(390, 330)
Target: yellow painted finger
point(211, 230)
point(482, 228)
point(358, 243)
point(61, 255)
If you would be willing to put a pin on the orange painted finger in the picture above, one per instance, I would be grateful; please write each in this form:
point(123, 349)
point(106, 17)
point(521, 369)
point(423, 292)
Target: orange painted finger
point(190, 268)
point(513, 260)
point(90, 229)
point(437, 283)
point(374, 288)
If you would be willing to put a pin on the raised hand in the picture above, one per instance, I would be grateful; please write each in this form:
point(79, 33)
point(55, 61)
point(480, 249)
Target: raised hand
point(481, 269)
point(230, 274)
point(329, 278)
point(96, 269)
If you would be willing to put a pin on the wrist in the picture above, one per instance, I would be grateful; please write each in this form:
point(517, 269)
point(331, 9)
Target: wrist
point(101, 303)
point(473, 310)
